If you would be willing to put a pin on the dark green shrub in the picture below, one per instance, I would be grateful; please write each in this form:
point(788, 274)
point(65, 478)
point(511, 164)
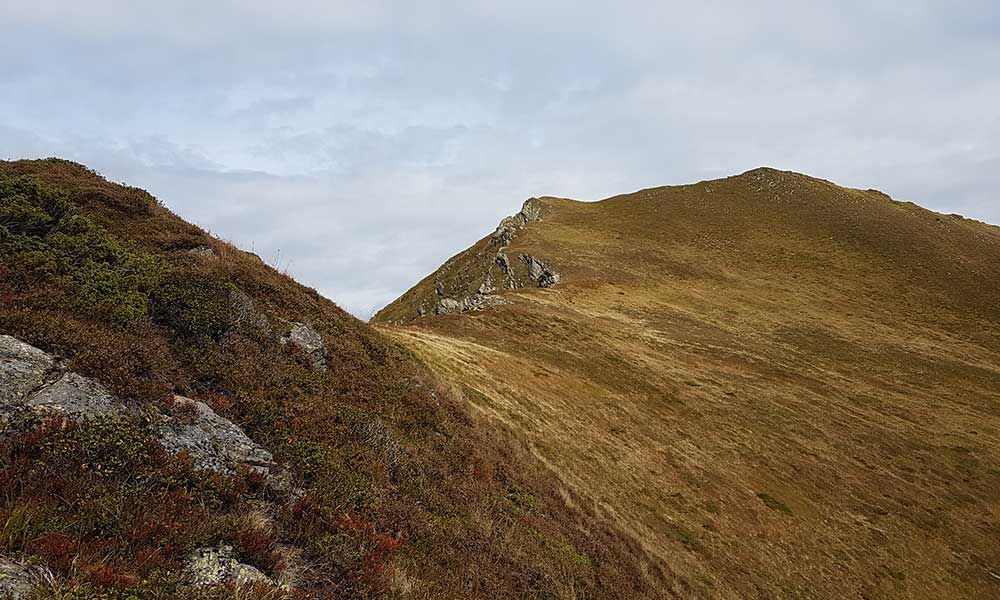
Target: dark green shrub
point(194, 305)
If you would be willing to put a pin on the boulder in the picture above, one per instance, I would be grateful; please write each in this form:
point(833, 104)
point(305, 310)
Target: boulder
point(309, 341)
point(16, 580)
point(208, 567)
point(540, 272)
point(214, 443)
point(78, 397)
point(23, 369)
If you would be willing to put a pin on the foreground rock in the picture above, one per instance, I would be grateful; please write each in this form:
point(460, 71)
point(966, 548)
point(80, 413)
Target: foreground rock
point(33, 386)
point(209, 567)
point(213, 442)
point(16, 580)
point(308, 340)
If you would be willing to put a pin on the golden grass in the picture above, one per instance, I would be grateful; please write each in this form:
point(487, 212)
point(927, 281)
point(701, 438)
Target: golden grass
point(780, 387)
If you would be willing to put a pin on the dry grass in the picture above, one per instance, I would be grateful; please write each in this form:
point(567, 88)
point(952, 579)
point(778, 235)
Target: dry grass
point(780, 387)
point(393, 468)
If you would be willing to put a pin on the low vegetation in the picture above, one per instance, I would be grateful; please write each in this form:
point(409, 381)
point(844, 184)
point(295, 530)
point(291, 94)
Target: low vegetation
point(780, 387)
point(403, 492)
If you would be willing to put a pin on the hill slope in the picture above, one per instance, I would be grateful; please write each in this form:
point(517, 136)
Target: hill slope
point(174, 412)
point(780, 387)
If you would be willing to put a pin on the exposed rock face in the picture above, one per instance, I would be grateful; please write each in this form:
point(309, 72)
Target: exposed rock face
point(16, 580)
point(202, 251)
point(23, 369)
point(540, 272)
point(77, 397)
point(309, 341)
point(213, 442)
point(33, 386)
point(208, 567)
point(477, 289)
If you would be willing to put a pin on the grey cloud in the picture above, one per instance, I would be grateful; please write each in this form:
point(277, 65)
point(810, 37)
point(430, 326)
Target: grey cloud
point(360, 144)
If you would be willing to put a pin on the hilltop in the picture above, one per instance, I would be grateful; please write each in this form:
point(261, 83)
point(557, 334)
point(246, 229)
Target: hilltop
point(178, 419)
point(778, 386)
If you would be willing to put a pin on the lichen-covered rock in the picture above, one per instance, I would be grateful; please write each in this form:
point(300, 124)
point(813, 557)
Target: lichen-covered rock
point(23, 369)
point(208, 567)
point(214, 443)
point(16, 580)
point(202, 251)
point(309, 341)
point(75, 396)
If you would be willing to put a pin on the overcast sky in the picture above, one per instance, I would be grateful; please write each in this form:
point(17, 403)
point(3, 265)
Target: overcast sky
point(360, 144)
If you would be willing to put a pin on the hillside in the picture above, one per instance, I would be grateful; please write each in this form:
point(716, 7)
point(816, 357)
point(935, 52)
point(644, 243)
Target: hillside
point(177, 419)
point(780, 387)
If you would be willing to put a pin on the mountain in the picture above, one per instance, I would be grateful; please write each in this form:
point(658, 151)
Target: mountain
point(779, 387)
point(178, 419)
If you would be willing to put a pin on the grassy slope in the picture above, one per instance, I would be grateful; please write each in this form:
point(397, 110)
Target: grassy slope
point(781, 387)
point(406, 493)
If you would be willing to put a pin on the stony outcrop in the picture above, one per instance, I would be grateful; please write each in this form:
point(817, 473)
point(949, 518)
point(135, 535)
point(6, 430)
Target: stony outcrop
point(213, 442)
point(492, 270)
point(209, 567)
point(17, 580)
point(540, 272)
point(34, 386)
point(23, 369)
point(308, 340)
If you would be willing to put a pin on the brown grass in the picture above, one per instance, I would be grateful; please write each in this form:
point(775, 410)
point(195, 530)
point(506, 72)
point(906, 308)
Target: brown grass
point(779, 387)
point(406, 493)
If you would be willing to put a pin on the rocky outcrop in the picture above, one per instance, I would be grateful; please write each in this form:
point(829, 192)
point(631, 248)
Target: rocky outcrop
point(209, 567)
point(17, 580)
point(77, 397)
point(34, 386)
point(308, 340)
point(491, 270)
point(540, 272)
point(23, 369)
point(213, 442)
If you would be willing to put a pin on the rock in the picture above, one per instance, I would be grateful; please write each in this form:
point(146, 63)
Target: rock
point(23, 369)
point(540, 272)
point(202, 250)
point(309, 341)
point(245, 313)
point(16, 580)
point(79, 397)
point(208, 567)
point(214, 443)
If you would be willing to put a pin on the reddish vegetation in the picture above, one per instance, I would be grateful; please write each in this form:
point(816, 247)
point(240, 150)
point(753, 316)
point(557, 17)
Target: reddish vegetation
point(405, 492)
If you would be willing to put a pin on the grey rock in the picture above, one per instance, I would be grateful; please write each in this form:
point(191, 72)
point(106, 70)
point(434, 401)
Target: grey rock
point(309, 341)
point(208, 567)
point(214, 443)
point(17, 580)
point(79, 397)
point(202, 250)
point(245, 313)
point(23, 369)
point(540, 272)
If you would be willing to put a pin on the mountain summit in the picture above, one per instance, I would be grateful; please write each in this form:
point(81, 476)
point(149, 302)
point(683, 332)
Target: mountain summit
point(779, 387)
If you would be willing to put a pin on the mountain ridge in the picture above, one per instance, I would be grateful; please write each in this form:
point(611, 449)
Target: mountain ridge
point(779, 386)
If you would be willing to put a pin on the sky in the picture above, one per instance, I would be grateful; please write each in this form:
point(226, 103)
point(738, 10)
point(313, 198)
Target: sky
point(358, 145)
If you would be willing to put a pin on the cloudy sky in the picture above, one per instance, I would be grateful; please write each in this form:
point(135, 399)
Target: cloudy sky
point(360, 144)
